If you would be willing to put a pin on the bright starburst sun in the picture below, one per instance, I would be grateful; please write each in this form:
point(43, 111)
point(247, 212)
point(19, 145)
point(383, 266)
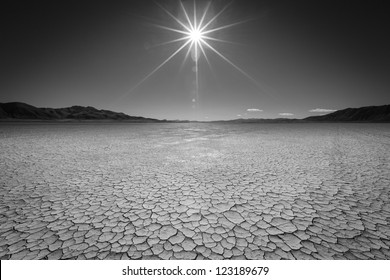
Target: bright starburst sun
point(196, 34)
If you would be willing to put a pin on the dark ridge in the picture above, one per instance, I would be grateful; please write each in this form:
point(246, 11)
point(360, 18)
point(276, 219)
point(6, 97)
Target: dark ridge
point(373, 114)
point(22, 111)
point(363, 114)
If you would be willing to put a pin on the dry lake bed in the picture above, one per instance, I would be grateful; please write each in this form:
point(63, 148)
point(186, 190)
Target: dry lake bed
point(194, 191)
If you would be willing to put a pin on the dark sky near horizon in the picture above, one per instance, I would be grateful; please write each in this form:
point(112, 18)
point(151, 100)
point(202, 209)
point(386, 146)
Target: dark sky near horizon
point(303, 55)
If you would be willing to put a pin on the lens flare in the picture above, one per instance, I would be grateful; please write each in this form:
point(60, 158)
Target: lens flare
point(196, 35)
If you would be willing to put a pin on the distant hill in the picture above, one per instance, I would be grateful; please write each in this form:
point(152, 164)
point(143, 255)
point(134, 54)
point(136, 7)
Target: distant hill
point(363, 114)
point(22, 111)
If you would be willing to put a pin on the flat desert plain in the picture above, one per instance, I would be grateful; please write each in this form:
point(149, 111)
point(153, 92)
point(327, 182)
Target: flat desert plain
point(194, 191)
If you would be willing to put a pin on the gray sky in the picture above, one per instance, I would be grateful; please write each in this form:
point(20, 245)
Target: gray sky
point(297, 56)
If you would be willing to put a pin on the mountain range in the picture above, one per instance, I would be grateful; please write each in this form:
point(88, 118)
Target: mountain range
point(23, 111)
point(363, 114)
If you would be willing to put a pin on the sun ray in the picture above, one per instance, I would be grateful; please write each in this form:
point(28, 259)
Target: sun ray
point(171, 42)
point(196, 74)
point(197, 42)
point(195, 25)
point(172, 29)
point(175, 18)
point(218, 40)
point(232, 64)
point(205, 55)
point(189, 50)
point(205, 13)
point(187, 55)
point(186, 15)
point(215, 17)
point(225, 26)
point(158, 67)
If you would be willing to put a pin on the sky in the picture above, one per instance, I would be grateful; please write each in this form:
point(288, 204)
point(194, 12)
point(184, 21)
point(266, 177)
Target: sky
point(271, 59)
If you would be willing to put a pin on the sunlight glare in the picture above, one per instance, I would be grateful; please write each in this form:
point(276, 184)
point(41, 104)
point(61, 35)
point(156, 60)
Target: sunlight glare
point(196, 35)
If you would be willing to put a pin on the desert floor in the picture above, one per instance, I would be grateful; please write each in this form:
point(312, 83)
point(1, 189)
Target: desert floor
point(194, 191)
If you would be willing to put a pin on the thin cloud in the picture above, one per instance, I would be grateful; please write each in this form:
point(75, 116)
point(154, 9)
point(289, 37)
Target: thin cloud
point(318, 110)
point(239, 116)
point(254, 110)
point(286, 114)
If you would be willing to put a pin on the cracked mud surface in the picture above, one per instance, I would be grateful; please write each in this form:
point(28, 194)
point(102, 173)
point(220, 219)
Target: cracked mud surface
point(194, 191)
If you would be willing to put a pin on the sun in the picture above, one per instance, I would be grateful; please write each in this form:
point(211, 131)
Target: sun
point(196, 35)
